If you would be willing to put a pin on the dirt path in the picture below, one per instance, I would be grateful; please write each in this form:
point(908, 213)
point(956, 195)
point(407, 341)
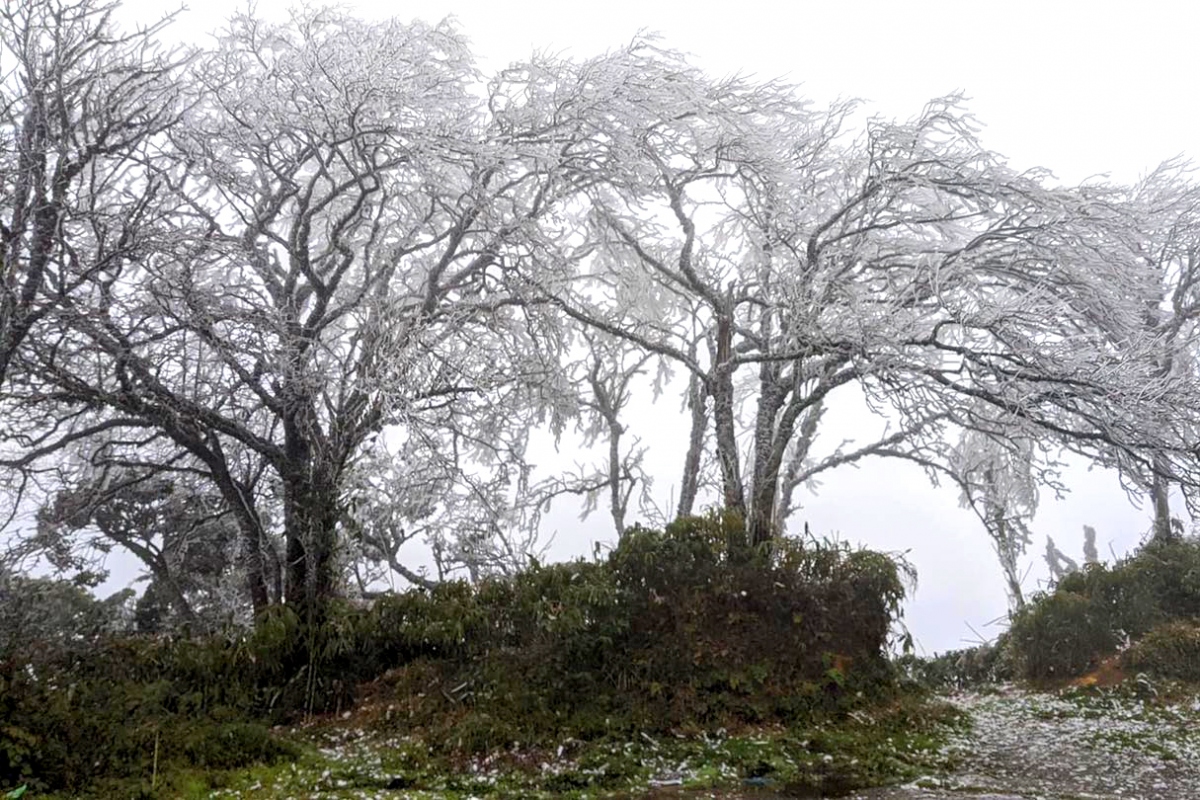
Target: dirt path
point(1027, 745)
point(895, 793)
point(1085, 745)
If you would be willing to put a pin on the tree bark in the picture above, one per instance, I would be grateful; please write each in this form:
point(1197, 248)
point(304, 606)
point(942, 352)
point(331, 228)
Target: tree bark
point(733, 492)
point(260, 573)
point(617, 498)
point(310, 529)
point(690, 485)
point(1160, 497)
point(768, 457)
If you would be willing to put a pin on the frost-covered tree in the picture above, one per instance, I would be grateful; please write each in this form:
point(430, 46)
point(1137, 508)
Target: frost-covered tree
point(1163, 234)
point(1058, 563)
point(80, 104)
point(46, 612)
point(1090, 554)
point(603, 378)
point(1151, 230)
point(998, 484)
point(784, 262)
point(182, 534)
point(354, 277)
point(333, 262)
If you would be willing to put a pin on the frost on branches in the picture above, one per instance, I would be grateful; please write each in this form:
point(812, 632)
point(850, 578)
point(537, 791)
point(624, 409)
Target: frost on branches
point(338, 284)
point(782, 260)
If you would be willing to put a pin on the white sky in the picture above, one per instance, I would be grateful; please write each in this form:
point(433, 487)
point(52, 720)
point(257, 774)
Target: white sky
point(1079, 88)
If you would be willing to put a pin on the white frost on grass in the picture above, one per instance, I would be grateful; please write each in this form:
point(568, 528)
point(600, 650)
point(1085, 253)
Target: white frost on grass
point(1079, 744)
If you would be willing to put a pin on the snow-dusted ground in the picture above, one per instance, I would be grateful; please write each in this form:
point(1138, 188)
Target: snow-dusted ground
point(1024, 745)
point(1072, 746)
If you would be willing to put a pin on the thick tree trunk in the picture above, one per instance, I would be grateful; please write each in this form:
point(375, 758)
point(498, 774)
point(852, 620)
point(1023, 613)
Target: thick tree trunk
point(310, 528)
point(733, 491)
point(769, 441)
point(261, 595)
point(762, 525)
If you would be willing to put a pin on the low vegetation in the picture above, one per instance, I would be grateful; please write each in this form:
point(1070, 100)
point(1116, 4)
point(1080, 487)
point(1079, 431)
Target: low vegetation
point(1143, 606)
point(685, 645)
point(682, 658)
point(1102, 623)
point(1169, 650)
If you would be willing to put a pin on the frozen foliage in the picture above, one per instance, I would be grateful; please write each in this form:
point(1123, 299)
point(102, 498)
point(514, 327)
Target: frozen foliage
point(331, 273)
point(778, 259)
point(998, 484)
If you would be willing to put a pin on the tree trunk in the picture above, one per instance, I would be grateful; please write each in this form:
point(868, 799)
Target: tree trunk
point(1160, 497)
point(165, 578)
point(256, 545)
point(698, 405)
point(1008, 559)
point(733, 492)
point(770, 436)
point(310, 528)
point(795, 462)
point(617, 498)
point(256, 573)
point(240, 499)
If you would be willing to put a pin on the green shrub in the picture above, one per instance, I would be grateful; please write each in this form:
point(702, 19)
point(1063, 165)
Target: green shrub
point(101, 708)
point(1171, 650)
point(226, 745)
point(1060, 635)
point(1170, 572)
point(676, 628)
point(1121, 596)
point(1093, 611)
point(682, 628)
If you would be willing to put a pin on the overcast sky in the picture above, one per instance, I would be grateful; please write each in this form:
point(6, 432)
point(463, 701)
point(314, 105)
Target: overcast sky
point(1082, 89)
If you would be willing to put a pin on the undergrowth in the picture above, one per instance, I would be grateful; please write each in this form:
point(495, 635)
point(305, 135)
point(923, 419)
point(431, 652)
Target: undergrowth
point(898, 741)
point(682, 632)
point(1149, 600)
